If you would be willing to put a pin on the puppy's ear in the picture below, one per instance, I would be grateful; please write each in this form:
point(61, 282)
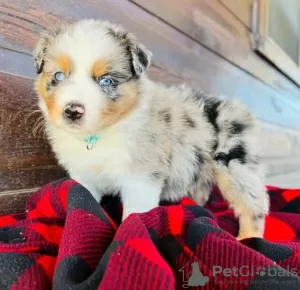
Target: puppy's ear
point(140, 57)
point(42, 47)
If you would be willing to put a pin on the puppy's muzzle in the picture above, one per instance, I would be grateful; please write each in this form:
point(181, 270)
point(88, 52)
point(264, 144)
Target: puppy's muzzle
point(73, 112)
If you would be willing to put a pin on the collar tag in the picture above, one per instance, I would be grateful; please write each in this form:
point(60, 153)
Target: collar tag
point(90, 141)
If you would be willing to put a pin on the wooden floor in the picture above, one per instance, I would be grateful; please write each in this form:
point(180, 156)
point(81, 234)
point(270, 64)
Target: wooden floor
point(205, 43)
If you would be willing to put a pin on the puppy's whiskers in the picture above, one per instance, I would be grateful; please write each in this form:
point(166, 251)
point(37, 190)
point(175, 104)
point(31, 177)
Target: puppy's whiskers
point(38, 111)
point(38, 126)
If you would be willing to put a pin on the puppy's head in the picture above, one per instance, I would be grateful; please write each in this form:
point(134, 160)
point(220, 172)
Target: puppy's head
point(88, 74)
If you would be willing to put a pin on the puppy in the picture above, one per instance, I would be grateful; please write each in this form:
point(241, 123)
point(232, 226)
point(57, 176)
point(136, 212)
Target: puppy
point(113, 129)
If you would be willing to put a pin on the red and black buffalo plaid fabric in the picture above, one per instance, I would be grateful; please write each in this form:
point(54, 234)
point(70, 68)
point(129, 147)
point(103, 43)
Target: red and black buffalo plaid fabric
point(66, 240)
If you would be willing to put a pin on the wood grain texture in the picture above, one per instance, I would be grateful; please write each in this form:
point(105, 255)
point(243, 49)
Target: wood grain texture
point(19, 147)
point(208, 22)
point(239, 8)
point(25, 160)
point(14, 201)
point(24, 178)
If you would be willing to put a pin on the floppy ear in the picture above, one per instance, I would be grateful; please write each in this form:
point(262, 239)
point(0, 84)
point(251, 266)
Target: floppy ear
point(41, 49)
point(140, 57)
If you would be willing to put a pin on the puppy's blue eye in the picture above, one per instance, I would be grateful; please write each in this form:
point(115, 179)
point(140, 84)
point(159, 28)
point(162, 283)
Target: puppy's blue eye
point(59, 76)
point(105, 82)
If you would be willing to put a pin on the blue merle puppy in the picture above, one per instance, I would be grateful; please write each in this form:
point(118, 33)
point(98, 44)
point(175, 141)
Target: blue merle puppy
point(113, 129)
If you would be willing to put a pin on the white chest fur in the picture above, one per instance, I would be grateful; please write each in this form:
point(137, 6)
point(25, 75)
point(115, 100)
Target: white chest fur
point(102, 167)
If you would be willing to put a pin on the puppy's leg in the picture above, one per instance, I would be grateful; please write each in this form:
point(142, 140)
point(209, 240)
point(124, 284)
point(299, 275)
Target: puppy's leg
point(201, 193)
point(139, 193)
point(242, 185)
point(89, 185)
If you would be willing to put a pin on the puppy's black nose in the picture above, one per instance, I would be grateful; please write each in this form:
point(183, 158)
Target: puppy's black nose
point(74, 112)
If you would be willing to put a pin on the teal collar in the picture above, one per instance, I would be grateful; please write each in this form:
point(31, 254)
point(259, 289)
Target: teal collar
point(90, 141)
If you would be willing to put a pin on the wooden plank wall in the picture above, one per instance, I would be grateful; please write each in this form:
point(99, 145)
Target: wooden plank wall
point(204, 43)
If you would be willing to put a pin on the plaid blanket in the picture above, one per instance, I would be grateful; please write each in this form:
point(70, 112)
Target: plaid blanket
point(65, 240)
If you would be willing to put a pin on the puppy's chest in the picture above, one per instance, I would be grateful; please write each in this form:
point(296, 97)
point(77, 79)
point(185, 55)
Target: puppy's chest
point(102, 159)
